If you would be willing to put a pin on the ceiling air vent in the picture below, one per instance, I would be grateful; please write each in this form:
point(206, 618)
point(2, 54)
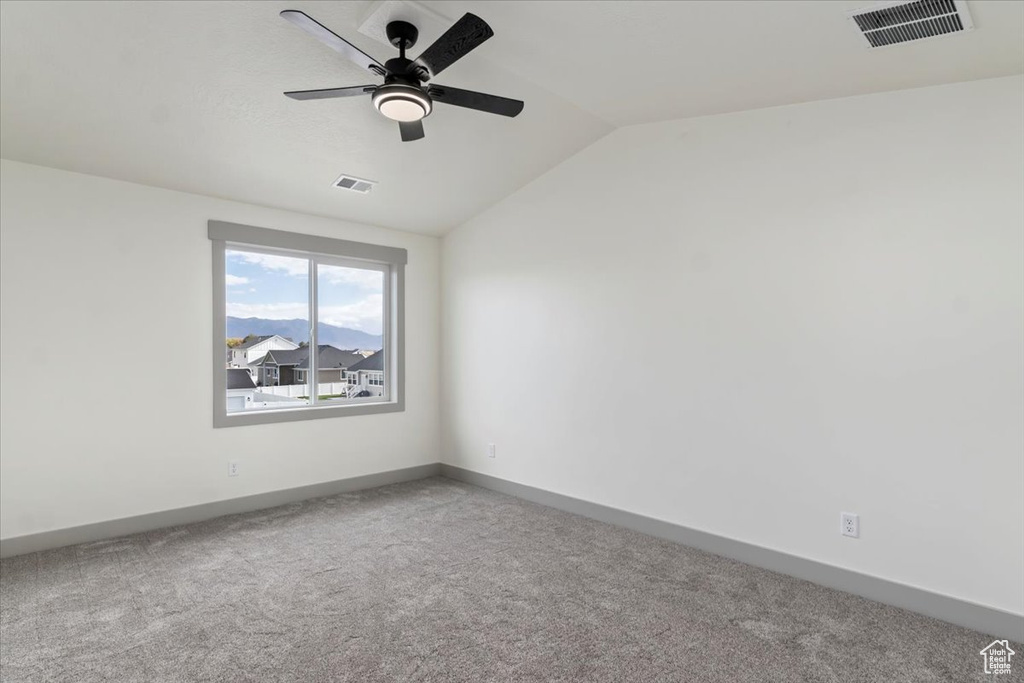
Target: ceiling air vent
point(892, 23)
point(347, 182)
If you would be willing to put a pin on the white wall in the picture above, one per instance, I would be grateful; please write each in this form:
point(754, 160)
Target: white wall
point(748, 323)
point(125, 267)
point(744, 324)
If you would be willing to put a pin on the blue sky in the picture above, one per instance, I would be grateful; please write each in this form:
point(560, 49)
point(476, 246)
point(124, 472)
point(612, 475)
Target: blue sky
point(276, 287)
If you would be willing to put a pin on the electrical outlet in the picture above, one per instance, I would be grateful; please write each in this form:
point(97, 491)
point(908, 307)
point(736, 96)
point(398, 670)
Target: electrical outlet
point(491, 450)
point(233, 468)
point(849, 524)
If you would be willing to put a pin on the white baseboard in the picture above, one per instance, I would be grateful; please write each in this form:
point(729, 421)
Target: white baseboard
point(58, 538)
point(953, 610)
point(970, 615)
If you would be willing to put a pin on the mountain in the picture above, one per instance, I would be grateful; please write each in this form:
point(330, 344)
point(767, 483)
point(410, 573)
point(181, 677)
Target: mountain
point(298, 331)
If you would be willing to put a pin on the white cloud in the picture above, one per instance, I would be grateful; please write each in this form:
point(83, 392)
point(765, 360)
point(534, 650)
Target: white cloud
point(370, 280)
point(286, 264)
point(286, 311)
point(365, 315)
point(235, 280)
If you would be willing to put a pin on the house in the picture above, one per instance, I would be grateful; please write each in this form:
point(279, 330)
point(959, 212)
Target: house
point(246, 353)
point(241, 388)
point(367, 376)
point(291, 366)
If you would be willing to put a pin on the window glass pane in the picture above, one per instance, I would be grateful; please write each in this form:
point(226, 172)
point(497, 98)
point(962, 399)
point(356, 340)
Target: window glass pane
point(267, 304)
point(350, 331)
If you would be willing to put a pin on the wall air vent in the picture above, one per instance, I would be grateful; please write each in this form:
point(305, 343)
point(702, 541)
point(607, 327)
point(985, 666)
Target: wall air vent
point(347, 182)
point(892, 23)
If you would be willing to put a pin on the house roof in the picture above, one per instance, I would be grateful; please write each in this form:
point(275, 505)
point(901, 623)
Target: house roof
point(329, 357)
point(239, 378)
point(374, 362)
point(254, 341)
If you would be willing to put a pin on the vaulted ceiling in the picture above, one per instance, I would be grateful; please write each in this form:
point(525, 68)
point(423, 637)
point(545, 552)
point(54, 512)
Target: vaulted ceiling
point(187, 95)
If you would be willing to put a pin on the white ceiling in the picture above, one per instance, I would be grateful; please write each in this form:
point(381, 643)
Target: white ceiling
point(187, 95)
point(637, 62)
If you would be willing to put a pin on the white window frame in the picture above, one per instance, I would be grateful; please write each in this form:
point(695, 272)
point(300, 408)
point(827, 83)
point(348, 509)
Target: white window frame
point(318, 250)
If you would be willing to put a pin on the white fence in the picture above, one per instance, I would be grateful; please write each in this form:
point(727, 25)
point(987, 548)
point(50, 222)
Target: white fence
point(297, 390)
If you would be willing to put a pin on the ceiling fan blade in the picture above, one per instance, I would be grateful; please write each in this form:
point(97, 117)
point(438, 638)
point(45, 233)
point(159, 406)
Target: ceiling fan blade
point(333, 40)
point(465, 34)
point(492, 104)
point(411, 130)
point(328, 93)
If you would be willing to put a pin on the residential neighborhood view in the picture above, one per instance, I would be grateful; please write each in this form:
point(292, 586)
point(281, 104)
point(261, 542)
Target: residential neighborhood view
point(269, 371)
point(268, 356)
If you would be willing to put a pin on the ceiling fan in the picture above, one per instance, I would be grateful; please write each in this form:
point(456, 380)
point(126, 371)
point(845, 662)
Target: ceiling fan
point(403, 97)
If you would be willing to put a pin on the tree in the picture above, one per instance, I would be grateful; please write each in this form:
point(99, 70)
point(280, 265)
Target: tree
point(235, 342)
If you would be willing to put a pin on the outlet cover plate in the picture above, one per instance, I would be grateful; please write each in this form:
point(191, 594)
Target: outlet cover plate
point(849, 524)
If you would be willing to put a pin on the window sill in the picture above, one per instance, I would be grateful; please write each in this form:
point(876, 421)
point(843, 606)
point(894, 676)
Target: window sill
point(256, 417)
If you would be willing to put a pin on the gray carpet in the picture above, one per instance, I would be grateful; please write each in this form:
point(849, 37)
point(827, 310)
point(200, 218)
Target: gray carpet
point(440, 581)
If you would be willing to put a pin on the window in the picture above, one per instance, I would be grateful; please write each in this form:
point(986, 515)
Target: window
point(313, 305)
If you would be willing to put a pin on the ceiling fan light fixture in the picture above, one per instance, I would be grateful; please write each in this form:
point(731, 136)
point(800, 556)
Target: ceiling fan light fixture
point(402, 102)
point(403, 97)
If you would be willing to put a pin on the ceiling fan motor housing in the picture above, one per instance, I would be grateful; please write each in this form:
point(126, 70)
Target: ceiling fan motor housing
point(402, 97)
point(402, 34)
